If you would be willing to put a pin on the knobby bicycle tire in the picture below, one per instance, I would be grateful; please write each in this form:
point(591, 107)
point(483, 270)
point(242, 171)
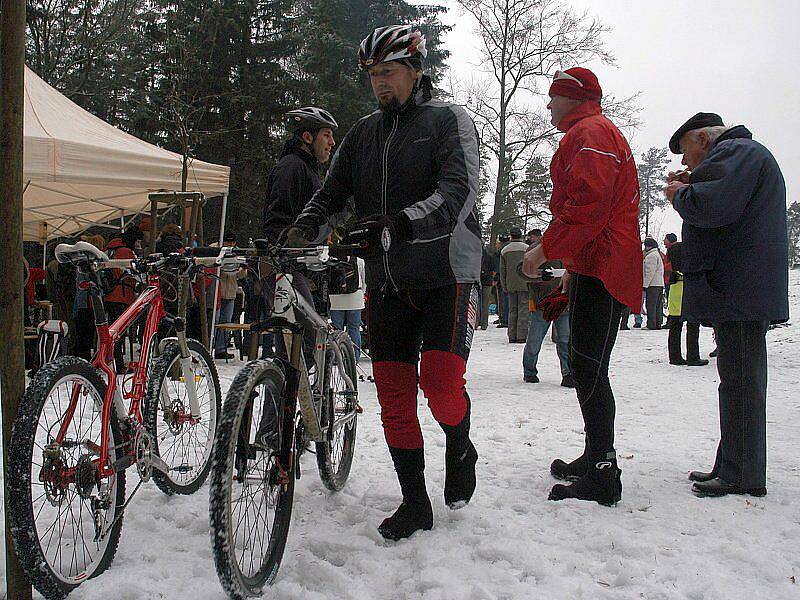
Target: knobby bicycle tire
point(268, 377)
point(159, 423)
point(22, 444)
point(335, 458)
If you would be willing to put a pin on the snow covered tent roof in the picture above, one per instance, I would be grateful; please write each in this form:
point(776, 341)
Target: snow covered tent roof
point(78, 170)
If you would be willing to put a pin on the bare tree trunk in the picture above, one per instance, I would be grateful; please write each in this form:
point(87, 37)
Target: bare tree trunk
point(647, 209)
point(12, 367)
point(499, 188)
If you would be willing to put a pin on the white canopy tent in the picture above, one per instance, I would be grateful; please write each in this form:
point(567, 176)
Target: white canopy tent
point(80, 171)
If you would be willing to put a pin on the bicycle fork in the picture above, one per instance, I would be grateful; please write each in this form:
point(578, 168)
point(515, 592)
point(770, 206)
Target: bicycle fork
point(185, 361)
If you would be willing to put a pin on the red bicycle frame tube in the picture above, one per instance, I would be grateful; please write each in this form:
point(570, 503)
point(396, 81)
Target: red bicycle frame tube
point(108, 335)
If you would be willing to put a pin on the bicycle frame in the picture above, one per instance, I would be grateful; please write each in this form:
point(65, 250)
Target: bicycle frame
point(286, 301)
point(150, 300)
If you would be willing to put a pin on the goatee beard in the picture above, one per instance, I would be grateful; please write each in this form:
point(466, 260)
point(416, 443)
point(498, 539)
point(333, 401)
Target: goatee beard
point(390, 106)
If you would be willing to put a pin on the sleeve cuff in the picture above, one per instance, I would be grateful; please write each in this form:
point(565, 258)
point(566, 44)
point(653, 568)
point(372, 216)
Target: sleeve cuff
point(402, 227)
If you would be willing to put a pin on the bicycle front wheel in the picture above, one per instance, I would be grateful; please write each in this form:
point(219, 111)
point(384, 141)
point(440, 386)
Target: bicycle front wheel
point(65, 519)
point(251, 492)
point(339, 414)
point(182, 440)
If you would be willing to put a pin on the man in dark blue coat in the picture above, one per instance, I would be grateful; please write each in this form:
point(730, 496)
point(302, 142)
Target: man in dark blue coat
point(735, 259)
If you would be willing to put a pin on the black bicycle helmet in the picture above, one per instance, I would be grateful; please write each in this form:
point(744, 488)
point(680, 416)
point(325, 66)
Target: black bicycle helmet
point(310, 118)
point(393, 42)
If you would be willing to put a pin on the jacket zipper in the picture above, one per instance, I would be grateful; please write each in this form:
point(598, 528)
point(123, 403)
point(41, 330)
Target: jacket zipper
point(383, 194)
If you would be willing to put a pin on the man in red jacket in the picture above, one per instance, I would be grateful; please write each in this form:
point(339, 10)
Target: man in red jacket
point(595, 232)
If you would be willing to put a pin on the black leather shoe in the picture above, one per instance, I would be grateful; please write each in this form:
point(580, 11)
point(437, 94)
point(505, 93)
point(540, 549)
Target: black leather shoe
point(531, 379)
point(677, 361)
point(568, 381)
point(702, 475)
point(700, 362)
point(719, 487)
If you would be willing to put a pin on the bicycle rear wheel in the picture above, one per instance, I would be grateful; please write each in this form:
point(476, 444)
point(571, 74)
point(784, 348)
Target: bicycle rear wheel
point(335, 457)
point(251, 493)
point(66, 522)
point(183, 443)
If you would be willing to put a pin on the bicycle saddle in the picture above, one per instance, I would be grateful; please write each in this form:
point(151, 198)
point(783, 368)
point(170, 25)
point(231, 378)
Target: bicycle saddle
point(75, 252)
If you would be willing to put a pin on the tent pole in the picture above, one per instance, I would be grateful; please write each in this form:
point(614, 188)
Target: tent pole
point(43, 235)
point(153, 226)
point(216, 281)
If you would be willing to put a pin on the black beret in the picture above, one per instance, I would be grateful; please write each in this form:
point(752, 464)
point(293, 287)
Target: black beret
point(515, 232)
point(698, 121)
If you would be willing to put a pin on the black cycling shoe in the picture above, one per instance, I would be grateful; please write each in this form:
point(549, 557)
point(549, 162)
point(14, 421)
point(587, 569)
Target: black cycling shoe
point(459, 478)
point(601, 483)
point(460, 457)
point(407, 520)
point(569, 471)
point(415, 512)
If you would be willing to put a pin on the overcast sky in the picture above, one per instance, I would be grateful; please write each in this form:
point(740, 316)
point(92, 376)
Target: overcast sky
point(738, 58)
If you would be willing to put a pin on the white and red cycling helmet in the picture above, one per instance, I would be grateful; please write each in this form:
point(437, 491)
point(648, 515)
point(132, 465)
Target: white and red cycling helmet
point(390, 43)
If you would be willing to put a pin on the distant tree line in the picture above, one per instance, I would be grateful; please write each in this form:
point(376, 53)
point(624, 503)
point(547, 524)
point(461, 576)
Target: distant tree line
point(212, 78)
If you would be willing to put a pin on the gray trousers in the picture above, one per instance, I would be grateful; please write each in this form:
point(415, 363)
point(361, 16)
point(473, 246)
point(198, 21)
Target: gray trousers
point(487, 297)
point(518, 316)
point(742, 366)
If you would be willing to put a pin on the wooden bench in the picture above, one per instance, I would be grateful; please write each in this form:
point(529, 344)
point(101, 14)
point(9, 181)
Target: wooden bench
point(240, 328)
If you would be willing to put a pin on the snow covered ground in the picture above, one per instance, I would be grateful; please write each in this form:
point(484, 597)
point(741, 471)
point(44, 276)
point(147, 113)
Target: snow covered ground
point(660, 542)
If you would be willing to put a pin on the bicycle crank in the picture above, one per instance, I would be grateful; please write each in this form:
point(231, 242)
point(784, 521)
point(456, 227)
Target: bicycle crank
point(146, 459)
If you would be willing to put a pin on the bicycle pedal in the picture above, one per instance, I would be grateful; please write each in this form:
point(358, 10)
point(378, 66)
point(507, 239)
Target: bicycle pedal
point(183, 469)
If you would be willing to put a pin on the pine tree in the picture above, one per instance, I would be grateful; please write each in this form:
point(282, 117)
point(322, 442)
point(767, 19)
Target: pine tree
point(652, 171)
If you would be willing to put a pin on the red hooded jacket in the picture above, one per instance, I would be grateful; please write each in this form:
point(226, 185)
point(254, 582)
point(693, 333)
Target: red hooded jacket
point(595, 205)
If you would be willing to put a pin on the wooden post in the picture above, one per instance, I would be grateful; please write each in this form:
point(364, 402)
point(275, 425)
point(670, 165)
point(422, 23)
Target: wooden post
point(153, 225)
point(12, 367)
point(197, 220)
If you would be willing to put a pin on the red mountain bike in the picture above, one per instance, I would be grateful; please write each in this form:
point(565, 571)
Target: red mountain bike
point(78, 429)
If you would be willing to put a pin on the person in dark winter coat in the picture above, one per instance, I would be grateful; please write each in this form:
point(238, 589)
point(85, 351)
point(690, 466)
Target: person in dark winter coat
point(295, 178)
point(675, 319)
point(170, 240)
point(735, 266)
point(487, 281)
point(502, 295)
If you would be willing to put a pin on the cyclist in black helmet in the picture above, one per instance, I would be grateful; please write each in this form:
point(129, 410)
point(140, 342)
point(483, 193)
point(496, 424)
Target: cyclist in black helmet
point(295, 178)
point(290, 185)
point(410, 173)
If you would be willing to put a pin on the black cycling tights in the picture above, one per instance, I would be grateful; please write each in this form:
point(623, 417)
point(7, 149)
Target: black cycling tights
point(594, 321)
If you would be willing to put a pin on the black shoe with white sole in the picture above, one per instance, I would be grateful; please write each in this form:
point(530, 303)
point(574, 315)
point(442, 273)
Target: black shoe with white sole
point(602, 482)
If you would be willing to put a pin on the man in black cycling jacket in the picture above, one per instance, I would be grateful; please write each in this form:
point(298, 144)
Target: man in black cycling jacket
point(295, 178)
point(290, 185)
point(410, 172)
